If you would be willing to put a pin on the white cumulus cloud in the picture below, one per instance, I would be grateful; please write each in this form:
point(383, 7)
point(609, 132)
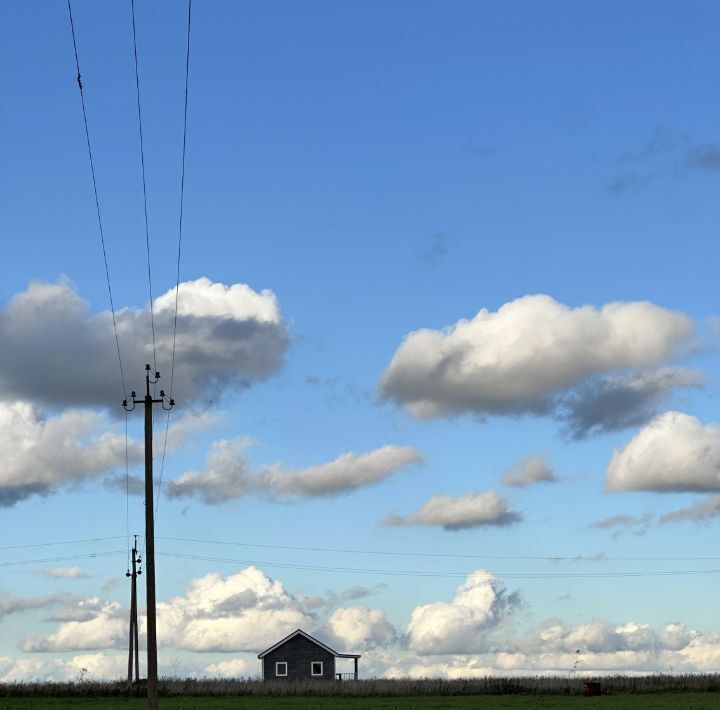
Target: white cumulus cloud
point(243, 613)
point(674, 452)
point(43, 453)
point(106, 627)
point(471, 510)
point(359, 628)
point(461, 626)
point(56, 351)
point(520, 358)
point(91, 666)
point(234, 668)
point(246, 611)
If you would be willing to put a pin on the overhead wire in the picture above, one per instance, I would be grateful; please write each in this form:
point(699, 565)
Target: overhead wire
point(179, 250)
point(104, 249)
point(550, 558)
point(97, 201)
point(127, 491)
point(44, 560)
point(390, 572)
point(182, 194)
point(61, 542)
point(347, 551)
point(144, 185)
point(453, 574)
point(553, 558)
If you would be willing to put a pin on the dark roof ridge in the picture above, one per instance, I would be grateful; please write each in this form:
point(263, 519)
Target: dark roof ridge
point(310, 638)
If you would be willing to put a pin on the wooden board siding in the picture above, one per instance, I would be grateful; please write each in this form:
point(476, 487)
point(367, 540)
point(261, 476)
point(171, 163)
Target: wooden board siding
point(299, 653)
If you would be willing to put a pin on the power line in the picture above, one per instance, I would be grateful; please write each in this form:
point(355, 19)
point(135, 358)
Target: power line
point(62, 559)
point(97, 201)
point(546, 558)
point(127, 490)
point(455, 574)
point(391, 572)
point(62, 542)
point(373, 552)
point(182, 192)
point(179, 250)
point(142, 163)
point(162, 462)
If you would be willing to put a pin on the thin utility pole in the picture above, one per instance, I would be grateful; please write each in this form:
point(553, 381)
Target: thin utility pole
point(148, 401)
point(133, 654)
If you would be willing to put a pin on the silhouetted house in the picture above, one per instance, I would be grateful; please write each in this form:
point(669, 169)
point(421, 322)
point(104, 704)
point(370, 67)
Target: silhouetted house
point(300, 656)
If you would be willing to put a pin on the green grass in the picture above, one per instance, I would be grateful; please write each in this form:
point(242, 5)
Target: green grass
point(655, 701)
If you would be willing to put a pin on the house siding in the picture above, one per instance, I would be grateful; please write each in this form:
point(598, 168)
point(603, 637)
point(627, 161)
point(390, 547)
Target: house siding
point(299, 652)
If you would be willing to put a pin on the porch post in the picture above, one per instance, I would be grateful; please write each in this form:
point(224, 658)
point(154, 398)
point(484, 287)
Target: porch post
point(356, 664)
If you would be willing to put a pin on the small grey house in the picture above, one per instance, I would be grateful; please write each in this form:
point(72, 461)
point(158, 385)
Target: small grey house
point(300, 656)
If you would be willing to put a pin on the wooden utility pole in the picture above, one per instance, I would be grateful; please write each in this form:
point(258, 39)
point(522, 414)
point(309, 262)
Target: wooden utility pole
point(133, 654)
point(148, 401)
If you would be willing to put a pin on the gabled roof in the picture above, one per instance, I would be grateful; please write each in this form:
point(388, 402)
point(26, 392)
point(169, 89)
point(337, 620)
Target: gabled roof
point(300, 632)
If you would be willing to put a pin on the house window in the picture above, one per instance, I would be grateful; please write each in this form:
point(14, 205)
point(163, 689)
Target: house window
point(316, 668)
point(281, 668)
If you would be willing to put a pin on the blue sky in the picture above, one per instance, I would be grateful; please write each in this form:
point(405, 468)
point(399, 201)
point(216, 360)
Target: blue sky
point(371, 172)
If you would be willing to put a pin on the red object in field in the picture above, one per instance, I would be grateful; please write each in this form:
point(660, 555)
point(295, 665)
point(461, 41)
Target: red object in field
point(591, 689)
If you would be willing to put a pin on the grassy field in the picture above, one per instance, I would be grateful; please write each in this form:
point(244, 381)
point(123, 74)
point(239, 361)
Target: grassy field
point(654, 701)
point(651, 692)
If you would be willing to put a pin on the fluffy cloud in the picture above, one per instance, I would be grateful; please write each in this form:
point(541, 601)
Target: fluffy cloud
point(529, 471)
point(229, 474)
point(600, 636)
point(75, 609)
point(552, 649)
point(106, 626)
point(521, 358)
point(185, 427)
point(461, 626)
point(358, 627)
point(44, 453)
point(246, 611)
point(95, 666)
point(180, 432)
point(615, 403)
point(674, 452)
point(57, 352)
point(472, 510)
point(234, 668)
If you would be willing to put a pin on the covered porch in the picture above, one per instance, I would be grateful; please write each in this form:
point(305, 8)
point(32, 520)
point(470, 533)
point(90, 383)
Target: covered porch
point(348, 676)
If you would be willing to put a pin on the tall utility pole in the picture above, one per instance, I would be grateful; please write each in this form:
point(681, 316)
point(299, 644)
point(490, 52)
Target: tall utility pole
point(148, 401)
point(133, 653)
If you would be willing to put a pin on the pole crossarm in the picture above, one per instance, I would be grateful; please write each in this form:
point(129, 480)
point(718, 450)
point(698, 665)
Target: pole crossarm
point(166, 402)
